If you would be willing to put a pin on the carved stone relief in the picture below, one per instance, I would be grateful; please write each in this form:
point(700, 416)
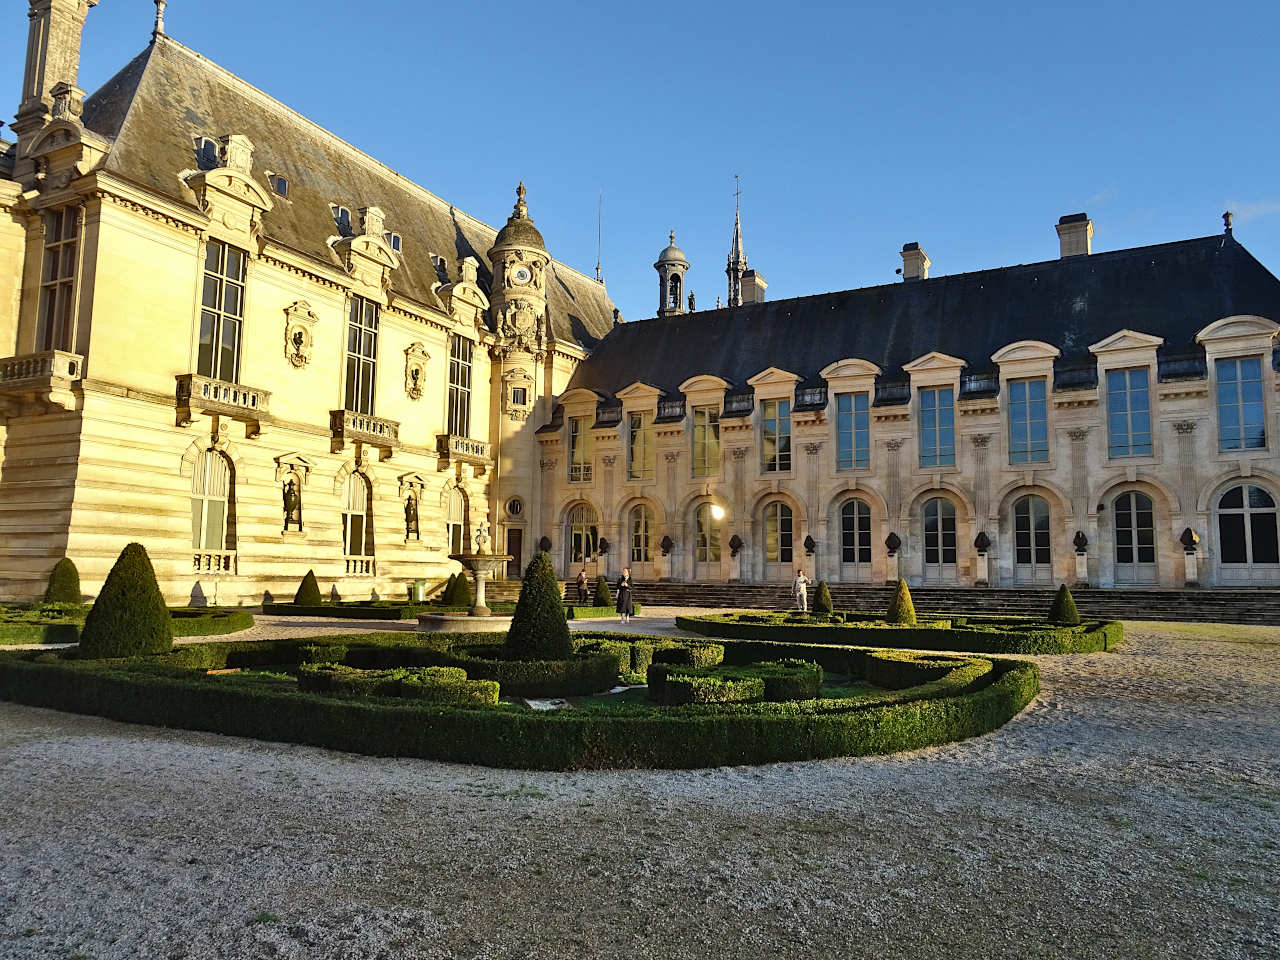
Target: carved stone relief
point(299, 326)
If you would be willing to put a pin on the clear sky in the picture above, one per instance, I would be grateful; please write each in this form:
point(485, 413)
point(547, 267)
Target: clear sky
point(969, 127)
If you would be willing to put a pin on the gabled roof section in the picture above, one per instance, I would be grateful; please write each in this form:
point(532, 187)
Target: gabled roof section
point(1171, 290)
point(168, 95)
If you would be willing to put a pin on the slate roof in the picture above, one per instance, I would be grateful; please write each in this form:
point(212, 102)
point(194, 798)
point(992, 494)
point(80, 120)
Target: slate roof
point(1171, 290)
point(169, 95)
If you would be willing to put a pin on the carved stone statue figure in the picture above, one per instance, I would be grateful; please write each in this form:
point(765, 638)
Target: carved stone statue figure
point(292, 505)
point(411, 516)
point(482, 537)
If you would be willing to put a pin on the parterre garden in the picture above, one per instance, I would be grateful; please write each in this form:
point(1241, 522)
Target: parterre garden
point(483, 698)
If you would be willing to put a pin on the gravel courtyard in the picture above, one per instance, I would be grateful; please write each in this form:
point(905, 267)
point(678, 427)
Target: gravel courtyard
point(1133, 810)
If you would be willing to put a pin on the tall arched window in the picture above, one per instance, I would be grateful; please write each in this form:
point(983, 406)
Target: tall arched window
point(673, 291)
point(1135, 538)
point(1247, 532)
point(584, 532)
point(456, 521)
point(211, 502)
point(707, 541)
point(641, 524)
point(855, 532)
point(777, 533)
point(939, 540)
point(357, 519)
point(1031, 553)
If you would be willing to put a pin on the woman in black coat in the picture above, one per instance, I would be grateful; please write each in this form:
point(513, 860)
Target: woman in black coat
point(625, 605)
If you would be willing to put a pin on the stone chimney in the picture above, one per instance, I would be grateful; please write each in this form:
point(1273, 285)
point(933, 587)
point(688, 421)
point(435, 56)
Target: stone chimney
point(53, 57)
point(372, 221)
point(915, 262)
point(753, 287)
point(1075, 234)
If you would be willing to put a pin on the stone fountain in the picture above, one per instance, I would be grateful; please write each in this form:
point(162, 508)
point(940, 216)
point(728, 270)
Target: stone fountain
point(479, 619)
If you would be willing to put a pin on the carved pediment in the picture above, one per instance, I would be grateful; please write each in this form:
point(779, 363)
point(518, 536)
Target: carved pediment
point(705, 381)
point(640, 391)
point(773, 376)
point(463, 299)
point(1233, 328)
point(849, 367)
point(934, 361)
point(1025, 350)
point(1127, 340)
point(295, 463)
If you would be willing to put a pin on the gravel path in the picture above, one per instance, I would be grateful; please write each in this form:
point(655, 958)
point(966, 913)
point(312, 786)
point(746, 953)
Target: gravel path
point(1132, 811)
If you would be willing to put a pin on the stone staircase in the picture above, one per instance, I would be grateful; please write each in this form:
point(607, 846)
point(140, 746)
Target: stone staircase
point(1205, 606)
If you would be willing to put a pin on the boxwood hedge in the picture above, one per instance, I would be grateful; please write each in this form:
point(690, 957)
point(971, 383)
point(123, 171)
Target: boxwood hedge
point(573, 612)
point(945, 699)
point(969, 635)
point(61, 623)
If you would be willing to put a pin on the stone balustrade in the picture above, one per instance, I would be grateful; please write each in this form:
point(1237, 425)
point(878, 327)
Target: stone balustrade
point(451, 447)
point(196, 395)
point(348, 426)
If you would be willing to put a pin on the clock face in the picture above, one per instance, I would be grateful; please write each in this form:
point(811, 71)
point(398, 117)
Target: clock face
point(521, 275)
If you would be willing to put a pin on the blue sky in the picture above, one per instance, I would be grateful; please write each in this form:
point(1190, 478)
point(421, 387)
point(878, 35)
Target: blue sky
point(856, 127)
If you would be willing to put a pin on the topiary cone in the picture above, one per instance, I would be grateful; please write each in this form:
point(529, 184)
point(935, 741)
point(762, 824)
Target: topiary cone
point(308, 594)
point(462, 592)
point(822, 599)
point(539, 630)
point(129, 618)
point(603, 597)
point(64, 583)
point(446, 595)
point(901, 609)
point(1064, 609)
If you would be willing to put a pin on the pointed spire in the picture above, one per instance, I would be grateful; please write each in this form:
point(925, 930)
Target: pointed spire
point(159, 28)
point(737, 265)
point(521, 211)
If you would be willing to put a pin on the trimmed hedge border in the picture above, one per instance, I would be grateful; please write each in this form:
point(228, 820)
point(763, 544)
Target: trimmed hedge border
point(573, 612)
point(971, 635)
point(64, 626)
point(373, 611)
point(948, 699)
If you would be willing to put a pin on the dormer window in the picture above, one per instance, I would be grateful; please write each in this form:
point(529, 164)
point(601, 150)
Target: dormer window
point(442, 271)
point(281, 186)
point(342, 217)
point(394, 241)
point(208, 154)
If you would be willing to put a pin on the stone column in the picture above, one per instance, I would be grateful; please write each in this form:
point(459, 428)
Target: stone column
point(547, 522)
point(1080, 497)
point(608, 521)
point(675, 523)
point(1188, 481)
point(981, 480)
point(812, 527)
point(740, 518)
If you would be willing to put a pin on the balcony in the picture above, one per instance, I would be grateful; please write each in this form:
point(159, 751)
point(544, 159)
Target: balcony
point(39, 383)
point(203, 396)
point(348, 426)
point(360, 566)
point(450, 448)
point(218, 563)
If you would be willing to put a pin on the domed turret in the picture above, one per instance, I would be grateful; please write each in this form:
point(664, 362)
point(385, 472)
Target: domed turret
point(518, 295)
point(519, 231)
point(671, 267)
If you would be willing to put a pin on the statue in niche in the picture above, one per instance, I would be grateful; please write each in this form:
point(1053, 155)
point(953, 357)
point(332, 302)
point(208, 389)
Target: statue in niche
point(292, 505)
point(411, 517)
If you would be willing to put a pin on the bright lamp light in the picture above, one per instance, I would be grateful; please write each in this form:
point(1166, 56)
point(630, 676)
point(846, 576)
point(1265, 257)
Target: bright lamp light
point(717, 511)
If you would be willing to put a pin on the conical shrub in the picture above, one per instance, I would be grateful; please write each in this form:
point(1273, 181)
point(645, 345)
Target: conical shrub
point(822, 599)
point(603, 597)
point(129, 618)
point(308, 594)
point(901, 609)
point(446, 595)
point(1064, 608)
point(64, 583)
point(462, 592)
point(539, 630)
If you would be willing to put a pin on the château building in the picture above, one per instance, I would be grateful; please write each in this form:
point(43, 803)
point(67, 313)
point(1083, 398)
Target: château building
point(238, 339)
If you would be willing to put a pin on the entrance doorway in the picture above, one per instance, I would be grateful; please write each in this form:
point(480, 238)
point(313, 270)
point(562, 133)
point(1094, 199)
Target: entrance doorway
point(855, 542)
point(939, 541)
point(1135, 539)
point(515, 549)
point(1031, 551)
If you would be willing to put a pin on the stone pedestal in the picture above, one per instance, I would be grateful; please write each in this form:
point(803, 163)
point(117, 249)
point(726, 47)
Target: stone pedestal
point(1192, 569)
point(980, 578)
point(735, 568)
point(891, 570)
point(1082, 569)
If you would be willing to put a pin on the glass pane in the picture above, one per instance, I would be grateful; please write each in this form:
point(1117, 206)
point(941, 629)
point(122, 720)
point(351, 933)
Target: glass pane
point(1231, 538)
point(229, 361)
point(235, 264)
point(1262, 529)
point(213, 257)
point(1260, 498)
point(1233, 498)
point(212, 295)
point(215, 528)
point(233, 299)
point(208, 331)
point(197, 511)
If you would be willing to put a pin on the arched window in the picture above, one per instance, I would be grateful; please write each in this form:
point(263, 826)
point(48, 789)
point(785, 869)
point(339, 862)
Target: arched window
point(1135, 538)
point(939, 540)
point(855, 532)
point(1031, 551)
point(584, 533)
point(707, 542)
point(777, 533)
point(673, 292)
point(641, 524)
point(456, 521)
point(357, 517)
point(211, 502)
point(1247, 532)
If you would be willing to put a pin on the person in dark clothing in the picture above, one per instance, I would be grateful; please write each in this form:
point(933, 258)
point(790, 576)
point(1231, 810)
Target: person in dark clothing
point(582, 585)
point(626, 606)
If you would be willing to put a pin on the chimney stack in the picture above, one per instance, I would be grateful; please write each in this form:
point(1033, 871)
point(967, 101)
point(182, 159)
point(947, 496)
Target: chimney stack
point(1075, 234)
point(753, 287)
point(915, 262)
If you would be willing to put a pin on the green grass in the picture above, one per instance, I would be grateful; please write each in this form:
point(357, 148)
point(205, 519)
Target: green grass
point(1226, 632)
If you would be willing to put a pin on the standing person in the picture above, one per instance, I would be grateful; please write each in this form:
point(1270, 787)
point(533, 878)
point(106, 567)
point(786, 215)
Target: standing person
point(582, 585)
point(801, 591)
point(626, 606)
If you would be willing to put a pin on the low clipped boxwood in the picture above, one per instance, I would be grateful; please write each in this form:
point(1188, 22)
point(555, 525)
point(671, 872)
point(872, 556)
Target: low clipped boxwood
point(431, 684)
point(366, 610)
point(578, 675)
point(209, 622)
point(970, 635)
point(774, 681)
point(973, 697)
point(593, 613)
point(679, 689)
point(693, 654)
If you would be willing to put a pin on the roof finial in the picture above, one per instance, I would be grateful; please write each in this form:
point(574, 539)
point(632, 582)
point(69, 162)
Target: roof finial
point(159, 28)
point(522, 209)
point(672, 236)
point(1227, 219)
